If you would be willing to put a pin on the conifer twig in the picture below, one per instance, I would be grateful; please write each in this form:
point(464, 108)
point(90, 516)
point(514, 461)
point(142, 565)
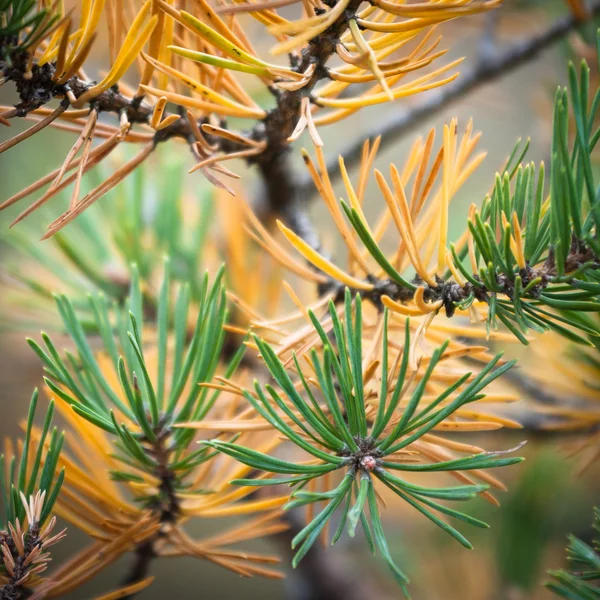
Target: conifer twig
point(299, 191)
point(488, 69)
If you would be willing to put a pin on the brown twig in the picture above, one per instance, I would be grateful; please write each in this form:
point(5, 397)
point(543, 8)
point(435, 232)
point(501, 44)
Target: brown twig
point(37, 87)
point(165, 504)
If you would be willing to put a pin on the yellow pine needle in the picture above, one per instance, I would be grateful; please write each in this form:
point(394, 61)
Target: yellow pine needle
point(294, 86)
point(417, 54)
point(369, 355)
point(127, 591)
point(70, 68)
point(403, 91)
point(320, 262)
point(155, 43)
point(234, 426)
point(252, 6)
point(467, 143)
point(451, 444)
point(454, 270)
point(518, 238)
point(294, 298)
point(94, 470)
point(135, 40)
point(210, 16)
point(425, 193)
point(249, 530)
point(211, 160)
point(206, 147)
point(422, 305)
point(59, 42)
point(467, 426)
point(363, 47)
point(226, 46)
point(307, 28)
point(218, 61)
point(478, 416)
point(386, 73)
point(111, 27)
point(354, 198)
point(82, 507)
point(422, 169)
point(97, 557)
point(401, 309)
point(446, 10)
point(403, 27)
point(473, 333)
point(242, 508)
point(323, 301)
point(204, 91)
point(86, 7)
point(86, 133)
point(302, 336)
point(57, 34)
point(403, 226)
point(87, 137)
point(312, 130)
point(242, 112)
point(301, 124)
point(352, 62)
point(299, 336)
point(158, 111)
point(447, 181)
point(163, 55)
point(283, 258)
point(412, 244)
point(382, 43)
point(243, 305)
point(296, 27)
point(230, 135)
point(89, 25)
point(366, 166)
point(323, 184)
point(462, 352)
point(370, 371)
point(439, 455)
point(418, 341)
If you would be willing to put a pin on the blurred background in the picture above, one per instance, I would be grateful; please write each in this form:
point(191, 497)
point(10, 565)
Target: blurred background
point(549, 496)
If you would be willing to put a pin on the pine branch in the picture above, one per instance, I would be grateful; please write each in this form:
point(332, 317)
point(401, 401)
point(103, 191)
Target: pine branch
point(289, 195)
point(451, 293)
point(36, 88)
point(167, 505)
point(567, 256)
point(492, 66)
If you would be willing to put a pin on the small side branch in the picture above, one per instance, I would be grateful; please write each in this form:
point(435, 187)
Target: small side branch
point(140, 567)
point(166, 504)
